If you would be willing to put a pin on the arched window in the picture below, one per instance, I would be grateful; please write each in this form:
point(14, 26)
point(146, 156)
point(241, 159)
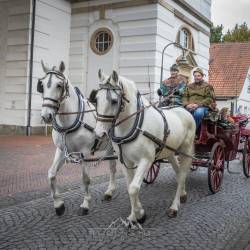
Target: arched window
point(101, 41)
point(185, 39)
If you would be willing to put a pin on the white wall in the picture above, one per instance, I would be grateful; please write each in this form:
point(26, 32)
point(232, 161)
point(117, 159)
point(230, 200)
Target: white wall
point(138, 29)
point(225, 103)
point(244, 98)
point(52, 34)
point(203, 6)
point(52, 39)
point(133, 52)
point(243, 102)
point(14, 48)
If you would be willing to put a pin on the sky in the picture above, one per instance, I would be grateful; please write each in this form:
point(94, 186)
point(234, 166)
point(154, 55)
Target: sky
point(230, 12)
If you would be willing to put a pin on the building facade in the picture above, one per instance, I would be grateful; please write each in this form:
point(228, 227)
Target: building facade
point(127, 35)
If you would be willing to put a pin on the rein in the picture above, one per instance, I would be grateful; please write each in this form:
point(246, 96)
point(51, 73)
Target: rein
point(135, 113)
point(75, 113)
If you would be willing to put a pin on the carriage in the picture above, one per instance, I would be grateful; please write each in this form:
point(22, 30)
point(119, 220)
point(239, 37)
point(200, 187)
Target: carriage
point(216, 146)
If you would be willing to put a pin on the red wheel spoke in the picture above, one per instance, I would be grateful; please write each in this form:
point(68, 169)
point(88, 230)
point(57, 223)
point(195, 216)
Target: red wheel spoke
point(216, 167)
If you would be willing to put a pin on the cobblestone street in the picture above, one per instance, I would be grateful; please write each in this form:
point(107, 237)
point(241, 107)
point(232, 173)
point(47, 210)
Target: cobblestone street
point(28, 219)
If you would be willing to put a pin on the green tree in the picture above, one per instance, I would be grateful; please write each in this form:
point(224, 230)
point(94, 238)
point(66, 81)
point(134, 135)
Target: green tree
point(216, 34)
point(240, 33)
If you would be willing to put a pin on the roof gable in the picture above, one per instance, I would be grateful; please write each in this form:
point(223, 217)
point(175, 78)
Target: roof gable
point(228, 67)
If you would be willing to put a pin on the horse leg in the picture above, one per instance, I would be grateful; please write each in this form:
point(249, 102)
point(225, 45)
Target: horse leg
point(174, 163)
point(181, 194)
point(55, 167)
point(186, 162)
point(111, 187)
point(137, 212)
point(84, 207)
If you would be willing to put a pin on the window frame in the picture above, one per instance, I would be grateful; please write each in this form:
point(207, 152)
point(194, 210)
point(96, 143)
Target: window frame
point(190, 39)
point(94, 38)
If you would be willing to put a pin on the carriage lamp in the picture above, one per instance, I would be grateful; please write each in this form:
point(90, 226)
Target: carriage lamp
point(183, 61)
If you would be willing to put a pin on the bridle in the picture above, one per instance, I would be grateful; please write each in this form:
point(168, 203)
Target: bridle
point(65, 90)
point(121, 99)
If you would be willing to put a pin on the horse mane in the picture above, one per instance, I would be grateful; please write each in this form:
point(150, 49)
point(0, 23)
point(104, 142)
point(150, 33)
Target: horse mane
point(130, 88)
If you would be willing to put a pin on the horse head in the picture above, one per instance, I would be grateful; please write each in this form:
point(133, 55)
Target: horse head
point(111, 99)
point(54, 89)
point(107, 102)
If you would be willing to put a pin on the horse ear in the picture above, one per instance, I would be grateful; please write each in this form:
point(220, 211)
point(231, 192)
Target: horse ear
point(45, 69)
point(101, 75)
point(62, 67)
point(115, 77)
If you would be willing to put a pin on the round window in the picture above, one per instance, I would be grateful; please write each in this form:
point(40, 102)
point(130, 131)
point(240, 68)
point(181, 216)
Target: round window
point(102, 41)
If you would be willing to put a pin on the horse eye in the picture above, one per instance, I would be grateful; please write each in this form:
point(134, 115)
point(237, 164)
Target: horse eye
point(59, 86)
point(114, 101)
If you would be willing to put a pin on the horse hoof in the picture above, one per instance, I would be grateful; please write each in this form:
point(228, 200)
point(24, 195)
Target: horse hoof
point(132, 224)
point(107, 197)
point(82, 211)
point(183, 198)
point(60, 210)
point(142, 219)
point(172, 213)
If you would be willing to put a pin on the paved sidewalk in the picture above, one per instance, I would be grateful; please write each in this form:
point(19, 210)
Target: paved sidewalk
point(24, 163)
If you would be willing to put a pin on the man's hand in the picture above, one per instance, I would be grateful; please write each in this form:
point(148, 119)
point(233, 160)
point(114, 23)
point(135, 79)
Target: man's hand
point(192, 106)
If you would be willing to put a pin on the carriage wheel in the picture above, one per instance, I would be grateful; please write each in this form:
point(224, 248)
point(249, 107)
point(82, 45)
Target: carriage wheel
point(216, 168)
point(246, 158)
point(152, 173)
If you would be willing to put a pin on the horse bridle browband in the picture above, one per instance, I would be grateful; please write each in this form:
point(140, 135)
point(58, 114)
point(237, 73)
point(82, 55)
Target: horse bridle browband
point(65, 90)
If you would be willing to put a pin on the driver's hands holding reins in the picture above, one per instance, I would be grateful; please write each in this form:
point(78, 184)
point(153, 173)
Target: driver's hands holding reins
point(192, 106)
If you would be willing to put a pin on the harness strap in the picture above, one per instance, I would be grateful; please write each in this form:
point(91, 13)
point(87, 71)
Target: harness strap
point(48, 105)
point(51, 99)
point(78, 120)
point(162, 144)
point(88, 127)
point(134, 132)
point(166, 130)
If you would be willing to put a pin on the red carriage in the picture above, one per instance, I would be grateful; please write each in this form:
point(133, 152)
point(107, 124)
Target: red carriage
point(216, 146)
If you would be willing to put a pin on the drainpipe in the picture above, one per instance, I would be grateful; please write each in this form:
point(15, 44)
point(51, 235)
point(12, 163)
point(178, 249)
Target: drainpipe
point(28, 127)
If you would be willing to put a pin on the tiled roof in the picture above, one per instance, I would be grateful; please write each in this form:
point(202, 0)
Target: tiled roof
point(228, 67)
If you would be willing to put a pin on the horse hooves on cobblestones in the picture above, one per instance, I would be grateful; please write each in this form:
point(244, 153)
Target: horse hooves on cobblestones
point(60, 210)
point(107, 197)
point(171, 213)
point(142, 219)
point(82, 211)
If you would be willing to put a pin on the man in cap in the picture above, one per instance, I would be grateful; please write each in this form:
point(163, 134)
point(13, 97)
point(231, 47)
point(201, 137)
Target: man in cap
point(198, 97)
point(172, 88)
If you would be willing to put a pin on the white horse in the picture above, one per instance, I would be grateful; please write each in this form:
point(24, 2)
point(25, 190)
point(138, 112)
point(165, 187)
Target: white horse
point(117, 99)
point(75, 131)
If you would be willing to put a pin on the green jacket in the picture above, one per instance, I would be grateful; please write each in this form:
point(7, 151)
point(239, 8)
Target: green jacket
point(173, 89)
point(199, 93)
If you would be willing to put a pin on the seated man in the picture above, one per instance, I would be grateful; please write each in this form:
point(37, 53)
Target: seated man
point(172, 88)
point(198, 97)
